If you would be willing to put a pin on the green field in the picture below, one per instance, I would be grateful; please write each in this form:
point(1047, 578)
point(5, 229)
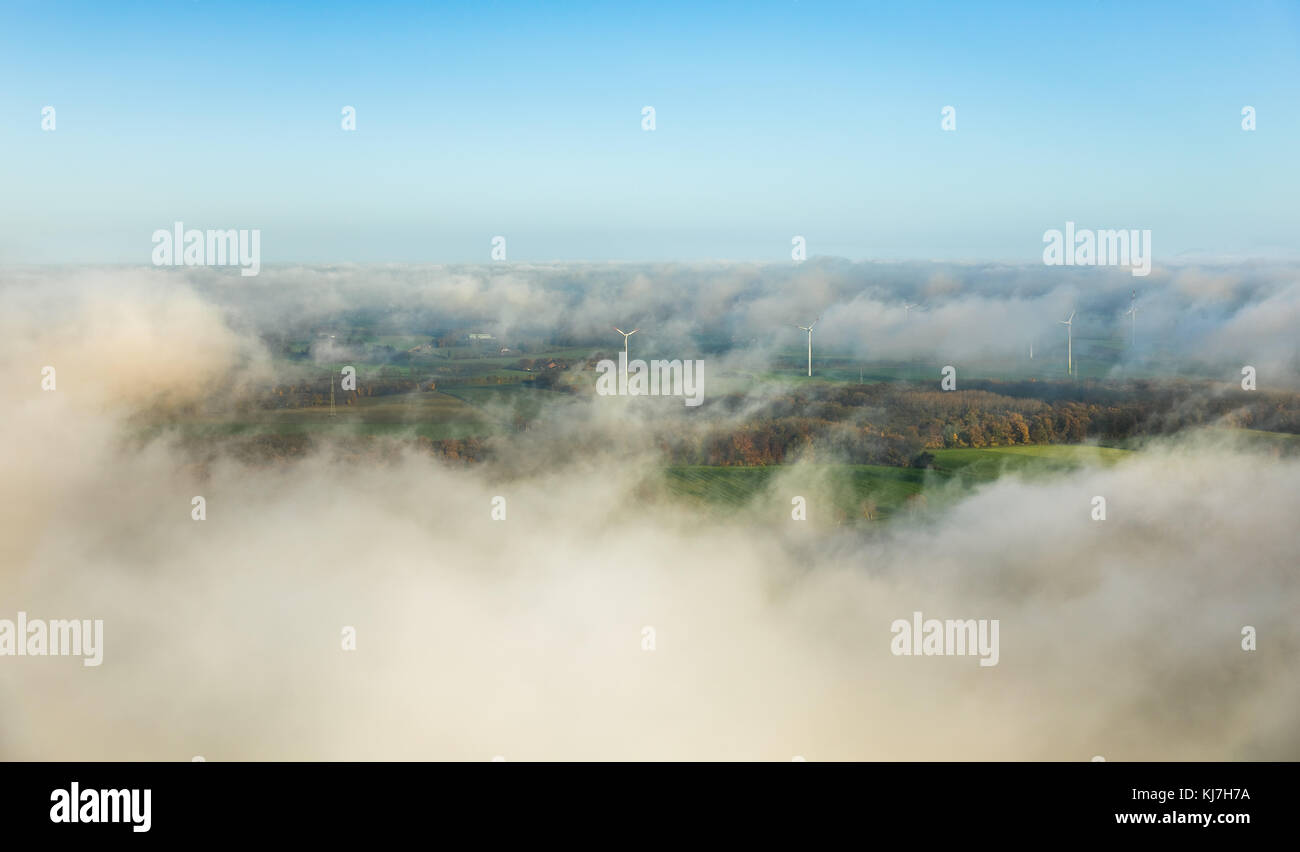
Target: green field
point(856, 490)
point(452, 411)
point(429, 414)
point(1282, 443)
point(990, 463)
point(504, 403)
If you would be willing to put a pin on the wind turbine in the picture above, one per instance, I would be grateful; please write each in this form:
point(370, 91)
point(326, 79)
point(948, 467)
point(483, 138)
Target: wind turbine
point(1069, 342)
point(809, 328)
point(1133, 311)
point(626, 335)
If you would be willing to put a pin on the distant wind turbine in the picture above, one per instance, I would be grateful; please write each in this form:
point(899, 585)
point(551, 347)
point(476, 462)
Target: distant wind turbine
point(809, 328)
point(1133, 311)
point(626, 335)
point(1069, 342)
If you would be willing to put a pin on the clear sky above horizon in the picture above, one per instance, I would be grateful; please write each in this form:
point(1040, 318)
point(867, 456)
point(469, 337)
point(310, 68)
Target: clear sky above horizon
point(524, 120)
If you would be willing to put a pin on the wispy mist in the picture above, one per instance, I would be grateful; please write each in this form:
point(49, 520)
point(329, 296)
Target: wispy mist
point(523, 637)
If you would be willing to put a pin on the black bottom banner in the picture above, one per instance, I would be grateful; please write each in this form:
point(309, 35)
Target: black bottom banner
point(338, 800)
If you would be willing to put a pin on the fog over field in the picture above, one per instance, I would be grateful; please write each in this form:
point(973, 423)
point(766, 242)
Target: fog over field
point(523, 638)
point(1199, 315)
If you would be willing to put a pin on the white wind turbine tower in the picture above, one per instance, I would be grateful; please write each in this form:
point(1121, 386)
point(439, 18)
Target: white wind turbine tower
point(1069, 342)
point(809, 328)
point(626, 335)
point(1133, 311)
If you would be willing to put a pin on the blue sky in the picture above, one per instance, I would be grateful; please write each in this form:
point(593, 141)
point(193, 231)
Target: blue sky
point(773, 119)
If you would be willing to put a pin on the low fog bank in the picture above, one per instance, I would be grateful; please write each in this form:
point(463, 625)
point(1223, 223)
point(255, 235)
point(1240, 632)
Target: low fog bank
point(1202, 317)
point(524, 637)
